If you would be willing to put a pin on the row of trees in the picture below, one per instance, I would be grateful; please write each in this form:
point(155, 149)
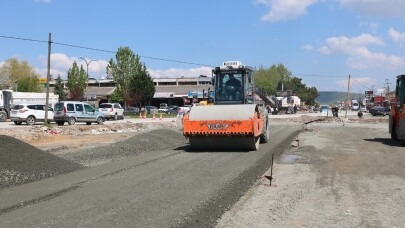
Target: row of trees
point(134, 86)
point(272, 79)
point(19, 76)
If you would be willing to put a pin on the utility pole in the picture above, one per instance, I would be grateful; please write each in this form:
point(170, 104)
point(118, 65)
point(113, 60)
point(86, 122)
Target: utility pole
point(48, 76)
point(282, 82)
point(348, 96)
point(387, 86)
point(87, 72)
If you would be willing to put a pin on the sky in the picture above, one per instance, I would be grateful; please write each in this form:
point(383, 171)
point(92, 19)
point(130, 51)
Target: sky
point(320, 41)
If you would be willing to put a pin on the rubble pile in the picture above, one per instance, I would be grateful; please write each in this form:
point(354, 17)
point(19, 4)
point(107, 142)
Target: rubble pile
point(37, 132)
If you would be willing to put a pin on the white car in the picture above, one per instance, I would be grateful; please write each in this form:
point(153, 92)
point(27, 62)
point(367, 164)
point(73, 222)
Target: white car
point(112, 111)
point(30, 114)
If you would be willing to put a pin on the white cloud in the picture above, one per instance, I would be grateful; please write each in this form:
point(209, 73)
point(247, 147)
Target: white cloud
point(351, 45)
point(359, 56)
point(178, 72)
point(308, 47)
point(42, 1)
point(285, 9)
point(396, 36)
point(384, 8)
point(61, 63)
point(54, 72)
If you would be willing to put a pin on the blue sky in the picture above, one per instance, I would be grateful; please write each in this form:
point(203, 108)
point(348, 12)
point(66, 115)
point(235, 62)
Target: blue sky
point(320, 41)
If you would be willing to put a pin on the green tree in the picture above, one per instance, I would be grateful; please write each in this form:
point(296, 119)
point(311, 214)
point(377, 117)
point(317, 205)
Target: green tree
point(18, 76)
point(116, 96)
point(269, 79)
point(131, 77)
point(59, 89)
point(142, 87)
point(278, 77)
point(28, 84)
point(76, 82)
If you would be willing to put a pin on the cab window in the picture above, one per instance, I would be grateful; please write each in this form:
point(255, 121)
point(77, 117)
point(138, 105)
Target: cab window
point(70, 107)
point(88, 108)
point(79, 107)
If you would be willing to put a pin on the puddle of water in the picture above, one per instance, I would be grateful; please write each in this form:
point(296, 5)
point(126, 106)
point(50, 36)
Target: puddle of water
point(289, 159)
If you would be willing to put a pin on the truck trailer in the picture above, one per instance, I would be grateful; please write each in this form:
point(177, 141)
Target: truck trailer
point(9, 98)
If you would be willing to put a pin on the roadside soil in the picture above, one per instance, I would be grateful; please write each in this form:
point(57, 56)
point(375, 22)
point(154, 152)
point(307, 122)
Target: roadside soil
point(64, 139)
point(336, 174)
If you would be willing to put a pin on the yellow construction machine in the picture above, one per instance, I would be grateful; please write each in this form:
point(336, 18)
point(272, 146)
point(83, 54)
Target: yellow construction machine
point(235, 121)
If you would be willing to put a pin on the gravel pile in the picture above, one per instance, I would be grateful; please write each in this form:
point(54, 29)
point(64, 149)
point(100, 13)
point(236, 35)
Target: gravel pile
point(154, 140)
point(38, 132)
point(22, 163)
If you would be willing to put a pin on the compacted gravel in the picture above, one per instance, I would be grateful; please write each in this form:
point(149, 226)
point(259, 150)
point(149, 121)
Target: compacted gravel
point(22, 163)
point(154, 140)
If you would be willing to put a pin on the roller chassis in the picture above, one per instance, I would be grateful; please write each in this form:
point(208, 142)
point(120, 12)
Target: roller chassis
point(233, 120)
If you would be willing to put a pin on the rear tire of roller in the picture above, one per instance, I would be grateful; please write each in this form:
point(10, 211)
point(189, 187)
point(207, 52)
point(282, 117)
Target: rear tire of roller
point(264, 137)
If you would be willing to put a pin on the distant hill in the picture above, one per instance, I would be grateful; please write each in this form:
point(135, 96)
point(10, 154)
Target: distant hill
point(328, 97)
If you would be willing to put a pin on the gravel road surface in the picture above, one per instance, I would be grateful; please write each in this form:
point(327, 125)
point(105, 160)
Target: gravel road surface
point(337, 173)
point(163, 186)
point(339, 176)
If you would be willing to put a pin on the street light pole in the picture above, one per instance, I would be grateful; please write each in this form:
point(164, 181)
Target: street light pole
point(87, 72)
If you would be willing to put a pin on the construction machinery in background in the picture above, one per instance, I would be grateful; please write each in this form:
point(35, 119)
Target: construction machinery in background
point(236, 120)
point(397, 117)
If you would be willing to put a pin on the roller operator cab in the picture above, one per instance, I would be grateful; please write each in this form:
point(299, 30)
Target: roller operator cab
point(397, 117)
point(235, 121)
point(233, 84)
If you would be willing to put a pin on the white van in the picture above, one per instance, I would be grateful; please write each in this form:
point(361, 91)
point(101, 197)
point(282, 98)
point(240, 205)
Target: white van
point(355, 105)
point(76, 111)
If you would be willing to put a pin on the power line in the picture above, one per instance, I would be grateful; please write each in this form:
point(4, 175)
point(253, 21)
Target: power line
point(331, 76)
point(26, 39)
point(82, 47)
point(107, 51)
point(321, 75)
point(361, 84)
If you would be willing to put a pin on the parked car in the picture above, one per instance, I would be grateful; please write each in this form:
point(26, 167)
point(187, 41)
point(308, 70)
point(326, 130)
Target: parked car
point(131, 111)
point(111, 111)
point(163, 108)
point(355, 106)
point(76, 111)
point(378, 110)
point(149, 109)
point(30, 114)
point(363, 108)
point(173, 109)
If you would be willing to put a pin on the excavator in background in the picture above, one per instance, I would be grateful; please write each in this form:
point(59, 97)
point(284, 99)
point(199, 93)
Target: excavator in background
point(397, 117)
point(236, 120)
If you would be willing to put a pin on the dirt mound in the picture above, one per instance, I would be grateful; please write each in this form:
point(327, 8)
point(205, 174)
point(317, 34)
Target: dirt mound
point(154, 140)
point(22, 163)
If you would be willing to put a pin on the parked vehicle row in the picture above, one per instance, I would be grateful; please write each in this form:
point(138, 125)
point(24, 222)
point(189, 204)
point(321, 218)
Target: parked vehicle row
point(74, 111)
point(149, 109)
